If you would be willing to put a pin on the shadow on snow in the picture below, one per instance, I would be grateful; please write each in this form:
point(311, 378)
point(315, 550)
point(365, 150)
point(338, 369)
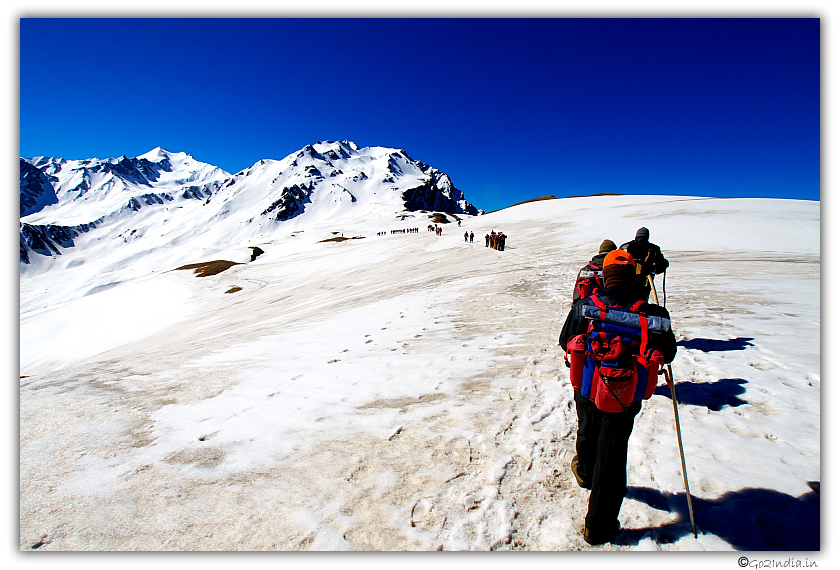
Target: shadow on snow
point(713, 395)
point(716, 345)
point(748, 519)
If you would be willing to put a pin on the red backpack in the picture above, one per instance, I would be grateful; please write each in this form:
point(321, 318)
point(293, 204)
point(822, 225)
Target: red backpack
point(612, 364)
point(589, 280)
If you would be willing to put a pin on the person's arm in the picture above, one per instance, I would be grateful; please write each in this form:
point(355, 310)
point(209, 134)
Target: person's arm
point(660, 264)
point(575, 324)
point(666, 342)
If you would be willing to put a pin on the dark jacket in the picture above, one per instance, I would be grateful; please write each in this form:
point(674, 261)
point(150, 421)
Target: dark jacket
point(599, 260)
point(576, 323)
point(648, 256)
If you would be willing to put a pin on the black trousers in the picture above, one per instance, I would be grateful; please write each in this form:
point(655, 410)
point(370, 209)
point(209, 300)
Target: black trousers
point(602, 459)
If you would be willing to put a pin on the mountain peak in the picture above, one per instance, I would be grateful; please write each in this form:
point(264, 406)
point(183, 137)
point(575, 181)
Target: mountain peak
point(156, 154)
point(345, 145)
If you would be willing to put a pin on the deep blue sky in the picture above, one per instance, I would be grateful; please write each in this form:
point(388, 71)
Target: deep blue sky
point(511, 109)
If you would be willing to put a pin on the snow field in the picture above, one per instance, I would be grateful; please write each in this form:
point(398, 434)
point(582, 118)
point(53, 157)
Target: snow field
point(406, 392)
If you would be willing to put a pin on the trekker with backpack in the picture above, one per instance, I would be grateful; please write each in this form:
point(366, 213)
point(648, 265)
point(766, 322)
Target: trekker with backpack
point(648, 256)
point(589, 278)
point(616, 343)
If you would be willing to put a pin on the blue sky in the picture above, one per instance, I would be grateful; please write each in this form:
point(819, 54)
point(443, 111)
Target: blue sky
point(511, 109)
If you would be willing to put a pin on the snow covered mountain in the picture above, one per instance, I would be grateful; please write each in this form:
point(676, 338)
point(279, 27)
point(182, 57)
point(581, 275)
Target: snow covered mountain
point(164, 199)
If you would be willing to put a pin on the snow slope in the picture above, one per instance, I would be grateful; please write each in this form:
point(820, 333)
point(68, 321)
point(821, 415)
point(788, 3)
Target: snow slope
point(406, 391)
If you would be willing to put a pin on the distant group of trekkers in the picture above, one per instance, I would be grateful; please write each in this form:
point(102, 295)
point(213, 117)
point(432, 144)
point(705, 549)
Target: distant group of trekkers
point(401, 231)
point(492, 239)
point(407, 231)
point(616, 345)
point(495, 240)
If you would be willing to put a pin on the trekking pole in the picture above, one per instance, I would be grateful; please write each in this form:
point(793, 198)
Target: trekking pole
point(669, 376)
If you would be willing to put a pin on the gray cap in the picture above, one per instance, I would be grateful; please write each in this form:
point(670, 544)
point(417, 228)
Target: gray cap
point(643, 233)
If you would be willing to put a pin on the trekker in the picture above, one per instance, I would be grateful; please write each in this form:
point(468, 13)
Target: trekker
point(589, 278)
point(471, 237)
point(648, 256)
point(610, 377)
point(502, 238)
point(486, 240)
point(466, 236)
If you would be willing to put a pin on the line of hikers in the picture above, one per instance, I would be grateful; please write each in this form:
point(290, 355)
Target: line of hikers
point(492, 239)
point(616, 345)
point(401, 231)
point(495, 240)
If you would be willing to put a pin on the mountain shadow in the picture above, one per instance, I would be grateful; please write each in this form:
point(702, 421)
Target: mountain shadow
point(716, 345)
point(748, 519)
point(713, 395)
point(36, 189)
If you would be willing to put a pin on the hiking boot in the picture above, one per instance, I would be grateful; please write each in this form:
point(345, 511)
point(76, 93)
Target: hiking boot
point(600, 537)
point(576, 472)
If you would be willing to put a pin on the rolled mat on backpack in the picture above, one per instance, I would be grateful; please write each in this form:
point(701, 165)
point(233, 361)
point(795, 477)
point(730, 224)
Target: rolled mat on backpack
point(625, 319)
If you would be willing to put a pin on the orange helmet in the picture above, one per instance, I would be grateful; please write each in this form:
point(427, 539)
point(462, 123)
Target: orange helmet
point(619, 257)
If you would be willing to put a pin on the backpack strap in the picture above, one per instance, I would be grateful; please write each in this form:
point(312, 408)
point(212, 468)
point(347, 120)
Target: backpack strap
point(598, 274)
point(600, 304)
point(635, 307)
point(643, 348)
point(643, 321)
